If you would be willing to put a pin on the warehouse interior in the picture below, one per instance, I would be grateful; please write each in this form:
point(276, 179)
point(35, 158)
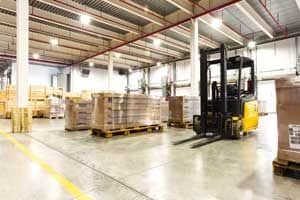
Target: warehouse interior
point(150, 99)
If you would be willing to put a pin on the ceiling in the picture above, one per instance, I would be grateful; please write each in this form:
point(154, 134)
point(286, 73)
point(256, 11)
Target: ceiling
point(128, 28)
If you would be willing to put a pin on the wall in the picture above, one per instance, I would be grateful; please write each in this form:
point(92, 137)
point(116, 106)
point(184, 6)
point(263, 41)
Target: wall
point(271, 59)
point(38, 74)
point(96, 81)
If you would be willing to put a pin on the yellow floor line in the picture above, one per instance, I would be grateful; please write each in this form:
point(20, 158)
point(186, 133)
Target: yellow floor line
point(64, 182)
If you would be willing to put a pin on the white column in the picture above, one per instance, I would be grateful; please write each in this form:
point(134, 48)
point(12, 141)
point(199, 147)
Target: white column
point(22, 53)
point(110, 70)
point(195, 60)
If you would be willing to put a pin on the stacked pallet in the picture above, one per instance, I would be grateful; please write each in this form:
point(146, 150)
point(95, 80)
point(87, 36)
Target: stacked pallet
point(37, 93)
point(288, 111)
point(122, 113)
point(182, 109)
point(55, 108)
point(78, 114)
point(21, 120)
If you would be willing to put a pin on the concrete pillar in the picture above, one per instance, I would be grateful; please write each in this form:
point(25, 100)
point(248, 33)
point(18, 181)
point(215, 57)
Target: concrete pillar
point(110, 70)
point(195, 59)
point(22, 53)
point(13, 74)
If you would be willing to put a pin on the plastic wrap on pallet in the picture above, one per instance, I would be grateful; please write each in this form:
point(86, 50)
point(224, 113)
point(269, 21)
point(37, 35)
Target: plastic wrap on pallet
point(183, 108)
point(164, 110)
point(288, 116)
point(117, 111)
point(55, 108)
point(78, 114)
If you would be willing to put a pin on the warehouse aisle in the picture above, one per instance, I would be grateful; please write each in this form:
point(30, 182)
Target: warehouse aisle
point(147, 166)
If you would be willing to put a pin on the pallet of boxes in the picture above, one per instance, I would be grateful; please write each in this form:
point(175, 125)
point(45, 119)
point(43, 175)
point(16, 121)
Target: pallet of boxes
point(288, 116)
point(78, 113)
point(37, 98)
point(7, 101)
point(182, 109)
point(55, 104)
point(124, 114)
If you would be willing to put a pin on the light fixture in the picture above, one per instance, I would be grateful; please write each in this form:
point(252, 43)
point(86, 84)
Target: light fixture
point(251, 44)
point(117, 55)
point(54, 41)
point(91, 64)
point(85, 19)
point(158, 64)
point(36, 56)
point(156, 42)
point(129, 70)
point(216, 23)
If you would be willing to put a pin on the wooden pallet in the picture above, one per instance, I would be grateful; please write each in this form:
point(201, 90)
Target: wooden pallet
point(286, 168)
point(53, 117)
point(77, 129)
point(187, 125)
point(128, 131)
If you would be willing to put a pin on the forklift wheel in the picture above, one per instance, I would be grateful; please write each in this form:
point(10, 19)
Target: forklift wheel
point(237, 129)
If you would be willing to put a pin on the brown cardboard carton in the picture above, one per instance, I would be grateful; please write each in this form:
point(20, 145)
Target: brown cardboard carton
point(288, 116)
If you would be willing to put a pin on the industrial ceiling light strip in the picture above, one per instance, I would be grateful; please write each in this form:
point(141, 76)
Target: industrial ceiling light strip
point(163, 28)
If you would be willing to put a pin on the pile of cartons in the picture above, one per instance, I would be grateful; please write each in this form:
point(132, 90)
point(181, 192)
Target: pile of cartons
point(78, 114)
point(288, 116)
point(182, 109)
point(164, 110)
point(21, 120)
point(116, 111)
point(55, 108)
point(7, 101)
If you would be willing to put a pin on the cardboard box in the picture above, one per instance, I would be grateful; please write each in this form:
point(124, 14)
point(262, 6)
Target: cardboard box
point(116, 111)
point(288, 115)
point(183, 108)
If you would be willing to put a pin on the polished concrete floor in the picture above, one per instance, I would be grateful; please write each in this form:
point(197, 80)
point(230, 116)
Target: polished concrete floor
point(143, 166)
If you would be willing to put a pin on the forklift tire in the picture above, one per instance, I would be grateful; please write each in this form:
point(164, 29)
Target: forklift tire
point(237, 129)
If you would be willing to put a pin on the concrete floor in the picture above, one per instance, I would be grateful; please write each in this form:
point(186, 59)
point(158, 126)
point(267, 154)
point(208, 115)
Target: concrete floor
point(144, 166)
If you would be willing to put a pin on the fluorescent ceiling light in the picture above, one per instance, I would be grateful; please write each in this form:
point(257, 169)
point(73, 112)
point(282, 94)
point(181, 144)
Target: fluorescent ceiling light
point(129, 70)
point(156, 42)
point(85, 19)
point(54, 41)
point(251, 44)
point(158, 64)
point(216, 23)
point(36, 56)
point(91, 64)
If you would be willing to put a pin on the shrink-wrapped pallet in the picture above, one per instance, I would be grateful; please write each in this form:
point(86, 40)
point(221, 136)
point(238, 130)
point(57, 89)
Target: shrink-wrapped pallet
point(55, 108)
point(78, 114)
point(288, 116)
point(183, 108)
point(164, 110)
point(117, 111)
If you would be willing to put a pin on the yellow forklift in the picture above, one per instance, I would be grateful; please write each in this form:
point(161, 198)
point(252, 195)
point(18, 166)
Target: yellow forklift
point(232, 109)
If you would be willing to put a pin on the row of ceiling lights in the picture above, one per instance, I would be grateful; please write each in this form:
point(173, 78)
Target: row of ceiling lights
point(85, 20)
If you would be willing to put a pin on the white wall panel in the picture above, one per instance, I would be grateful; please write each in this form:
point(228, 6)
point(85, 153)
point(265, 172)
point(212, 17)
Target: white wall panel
point(96, 81)
point(184, 91)
point(156, 92)
point(156, 74)
point(38, 74)
point(134, 78)
point(183, 71)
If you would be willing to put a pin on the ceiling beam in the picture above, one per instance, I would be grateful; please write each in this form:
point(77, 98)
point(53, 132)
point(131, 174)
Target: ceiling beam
point(157, 20)
point(77, 8)
point(175, 20)
point(252, 14)
point(188, 7)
